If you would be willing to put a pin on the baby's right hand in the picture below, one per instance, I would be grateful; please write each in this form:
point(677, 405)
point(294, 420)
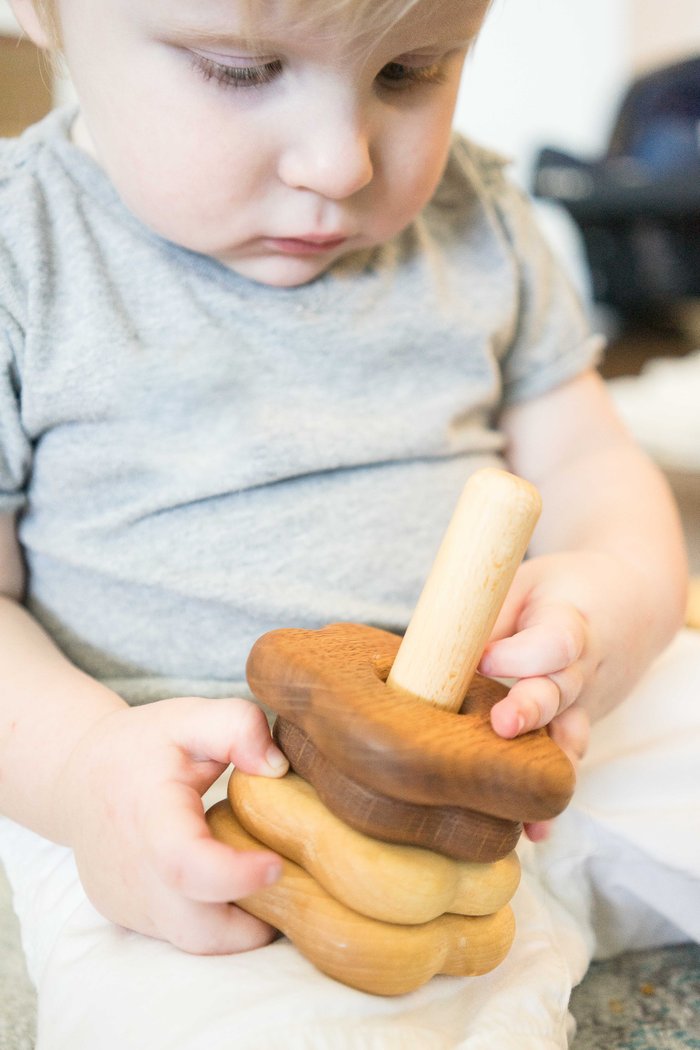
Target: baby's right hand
point(130, 807)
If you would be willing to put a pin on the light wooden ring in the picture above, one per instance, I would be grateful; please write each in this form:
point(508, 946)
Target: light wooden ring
point(399, 884)
point(377, 957)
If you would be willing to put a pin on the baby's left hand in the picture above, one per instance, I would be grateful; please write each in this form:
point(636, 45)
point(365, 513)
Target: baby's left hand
point(544, 641)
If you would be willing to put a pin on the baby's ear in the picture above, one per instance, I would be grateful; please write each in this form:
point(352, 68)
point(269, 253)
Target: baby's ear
point(29, 18)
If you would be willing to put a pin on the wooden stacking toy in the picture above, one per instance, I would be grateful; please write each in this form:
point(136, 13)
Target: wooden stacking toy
point(398, 824)
point(460, 833)
point(383, 958)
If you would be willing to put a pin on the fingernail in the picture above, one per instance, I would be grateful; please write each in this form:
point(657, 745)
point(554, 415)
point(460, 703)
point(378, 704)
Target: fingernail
point(539, 832)
point(275, 759)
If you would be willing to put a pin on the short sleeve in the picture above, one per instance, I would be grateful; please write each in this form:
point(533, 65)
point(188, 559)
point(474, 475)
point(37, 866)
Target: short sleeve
point(551, 340)
point(15, 447)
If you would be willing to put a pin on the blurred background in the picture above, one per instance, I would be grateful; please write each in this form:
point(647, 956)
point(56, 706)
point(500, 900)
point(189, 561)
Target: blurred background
point(598, 104)
point(553, 74)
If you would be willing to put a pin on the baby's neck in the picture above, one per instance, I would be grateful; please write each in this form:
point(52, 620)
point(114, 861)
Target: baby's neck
point(80, 136)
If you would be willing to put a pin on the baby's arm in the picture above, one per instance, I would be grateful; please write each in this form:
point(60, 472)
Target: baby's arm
point(604, 590)
point(122, 785)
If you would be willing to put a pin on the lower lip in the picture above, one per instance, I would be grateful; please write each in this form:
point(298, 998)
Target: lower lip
point(292, 246)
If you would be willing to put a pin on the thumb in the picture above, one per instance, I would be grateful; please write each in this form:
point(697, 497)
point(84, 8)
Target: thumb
point(228, 731)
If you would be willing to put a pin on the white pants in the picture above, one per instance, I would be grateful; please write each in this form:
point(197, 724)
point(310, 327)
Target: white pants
point(621, 870)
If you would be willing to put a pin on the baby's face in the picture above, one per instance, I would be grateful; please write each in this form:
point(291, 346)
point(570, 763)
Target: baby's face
point(276, 149)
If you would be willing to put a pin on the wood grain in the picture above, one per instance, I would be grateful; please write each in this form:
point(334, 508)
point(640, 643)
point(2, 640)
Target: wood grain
point(396, 884)
point(478, 557)
point(455, 832)
point(332, 683)
point(377, 957)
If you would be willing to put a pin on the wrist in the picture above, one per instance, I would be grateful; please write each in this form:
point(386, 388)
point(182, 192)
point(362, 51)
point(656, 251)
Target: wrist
point(83, 771)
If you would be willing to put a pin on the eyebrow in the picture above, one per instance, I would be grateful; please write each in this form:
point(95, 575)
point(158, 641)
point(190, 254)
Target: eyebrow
point(209, 36)
point(214, 35)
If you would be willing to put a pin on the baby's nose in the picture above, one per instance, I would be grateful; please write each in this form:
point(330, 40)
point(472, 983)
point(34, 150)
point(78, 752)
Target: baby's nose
point(330, 156)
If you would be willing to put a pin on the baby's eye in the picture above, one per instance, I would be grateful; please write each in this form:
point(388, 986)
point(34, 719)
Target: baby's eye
point(403, 74)
point(238, 76)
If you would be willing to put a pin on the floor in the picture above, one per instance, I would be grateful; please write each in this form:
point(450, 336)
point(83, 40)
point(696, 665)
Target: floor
point(641, 1001)
point(17, 1001)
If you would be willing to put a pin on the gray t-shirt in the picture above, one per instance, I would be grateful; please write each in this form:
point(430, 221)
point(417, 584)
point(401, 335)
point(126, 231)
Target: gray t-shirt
point(197, 458)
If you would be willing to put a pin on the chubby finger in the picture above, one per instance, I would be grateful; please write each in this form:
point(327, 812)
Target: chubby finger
point(215, 929)
point(212, 872)
point(228, 731)
point(538, 831)
point(553, 639)
point(532, 703)
point(187, 859)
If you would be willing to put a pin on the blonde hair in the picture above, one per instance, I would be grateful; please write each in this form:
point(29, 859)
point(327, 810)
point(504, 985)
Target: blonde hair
point(359, 17)
point(48, 16)
point(51, 58)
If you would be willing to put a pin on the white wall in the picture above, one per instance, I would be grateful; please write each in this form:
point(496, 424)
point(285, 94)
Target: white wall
point(545, 72)
point(551, 72)
point(7, 19)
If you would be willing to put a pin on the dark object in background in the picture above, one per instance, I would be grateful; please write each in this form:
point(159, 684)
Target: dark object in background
point(638, 207)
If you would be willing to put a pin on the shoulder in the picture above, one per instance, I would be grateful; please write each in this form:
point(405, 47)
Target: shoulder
point(481, 165)
point(30, 175)
point(15, 196)
point(31, 166)
point(24, 157)
point(21, 163)
point(479, 216)
point(480, 181)
point(15, 185)
point(477, 176)
point(473, 170)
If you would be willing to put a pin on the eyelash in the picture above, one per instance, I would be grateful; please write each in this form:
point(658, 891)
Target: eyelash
point(412, 75)
point(395, 75)
point(236, 76)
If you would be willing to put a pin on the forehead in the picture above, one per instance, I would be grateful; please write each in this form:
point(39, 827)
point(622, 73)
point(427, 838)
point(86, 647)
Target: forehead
point(365, 20)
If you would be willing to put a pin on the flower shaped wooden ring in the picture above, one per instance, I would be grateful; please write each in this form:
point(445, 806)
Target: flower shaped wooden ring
point(332, 683)
point(382, 958)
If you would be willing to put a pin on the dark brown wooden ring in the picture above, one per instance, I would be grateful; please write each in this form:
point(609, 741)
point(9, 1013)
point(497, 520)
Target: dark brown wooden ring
point(332, 683)
point(458, 833)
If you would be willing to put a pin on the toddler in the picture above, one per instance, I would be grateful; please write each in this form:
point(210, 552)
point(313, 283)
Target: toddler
point(261, 314)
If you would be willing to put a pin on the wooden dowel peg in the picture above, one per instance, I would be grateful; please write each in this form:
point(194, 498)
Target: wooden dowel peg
point(479, 555)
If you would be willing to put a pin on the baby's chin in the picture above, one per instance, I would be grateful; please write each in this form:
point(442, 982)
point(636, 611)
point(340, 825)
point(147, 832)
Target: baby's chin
point(285, 271)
